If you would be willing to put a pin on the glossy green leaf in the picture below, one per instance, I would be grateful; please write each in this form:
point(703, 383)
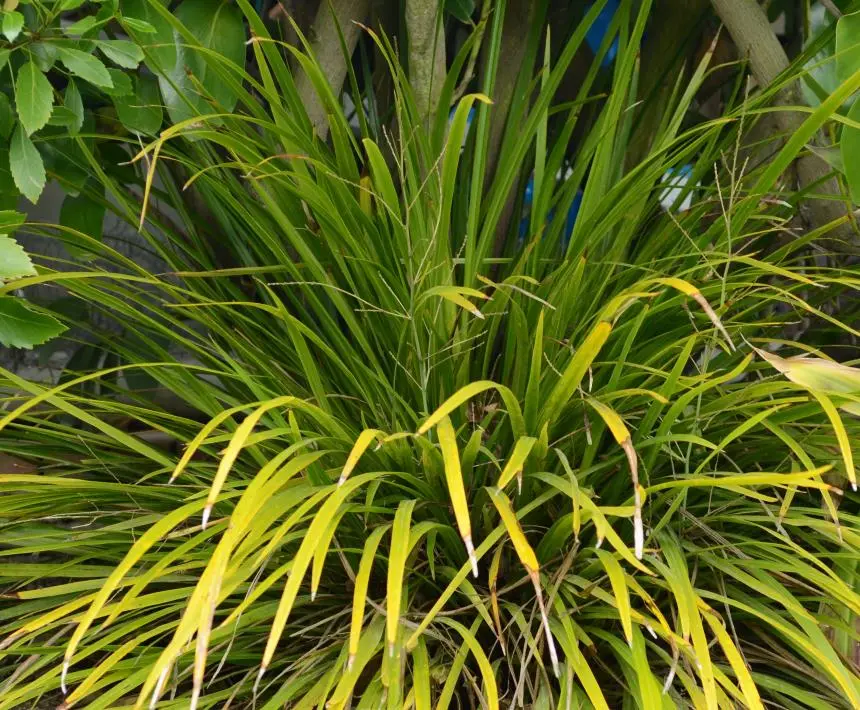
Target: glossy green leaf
point(848, 45)
point(850, 145)
point(461, 9)
point(141, 110)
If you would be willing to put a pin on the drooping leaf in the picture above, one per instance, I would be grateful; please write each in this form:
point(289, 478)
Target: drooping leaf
point(122, 52)
point(14, 261)
point(140, 111)
point(4, 57)
point(21, 327)
point(72, 101)
point(850, 144)
point(13, 23)
point(83, 215)
point(7, 118)
point(26, 165)
point(34, 97)
point(85, 66)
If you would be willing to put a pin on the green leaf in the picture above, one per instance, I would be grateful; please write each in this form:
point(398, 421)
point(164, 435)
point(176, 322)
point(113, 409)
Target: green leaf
point(34, 97)
point(72, 101)
point(45, 54)
point(67, 5)
point(13, 23)
point(122, 52)
point(847, 46)
point(22, 328)
point(14, 261)
point(82, 26)
point(850, 144)
point(10, 220)
point(63, 116)
point(7, 118)
point(83, 215)
point(141, 112)
point(4, 57)
point(461, 9)
point(159, 45)
point(86, 66)
point(136, 25)
point(121, 83)
point(219, 28)
point(26, 165)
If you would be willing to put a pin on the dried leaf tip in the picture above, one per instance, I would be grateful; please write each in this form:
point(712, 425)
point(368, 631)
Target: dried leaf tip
point(550, 642)
point(159, 685)
point(470, 548)
point(63, 689)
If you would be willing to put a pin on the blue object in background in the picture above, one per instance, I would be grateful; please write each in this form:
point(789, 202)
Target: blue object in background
point(572, 214)
point(597, 31)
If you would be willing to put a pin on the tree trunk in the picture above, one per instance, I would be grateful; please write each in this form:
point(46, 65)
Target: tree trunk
point(751, 32)
point(325, 45)
point(426, 54)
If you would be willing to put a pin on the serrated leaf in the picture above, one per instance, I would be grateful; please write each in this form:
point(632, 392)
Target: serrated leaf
point(850, 145)
point(85, 66)
point(847, 46)
point(22, 328)
point(141, 112)
point(25, 163)
point(34, 97)
point(73, 102)
point(14, 261)
point(122, 52)
point(7, 118)
point(13, 23)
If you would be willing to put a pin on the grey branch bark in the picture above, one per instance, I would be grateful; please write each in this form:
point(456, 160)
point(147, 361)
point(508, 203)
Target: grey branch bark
point(325, 44)
point(426, 53)
point(751, 32)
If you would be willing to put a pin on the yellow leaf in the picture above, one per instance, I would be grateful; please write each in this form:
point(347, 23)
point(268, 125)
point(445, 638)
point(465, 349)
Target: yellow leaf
point(456, 488)
point(514, 466)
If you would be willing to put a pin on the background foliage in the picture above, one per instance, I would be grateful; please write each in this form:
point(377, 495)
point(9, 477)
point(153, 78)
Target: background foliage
point(484, 390)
